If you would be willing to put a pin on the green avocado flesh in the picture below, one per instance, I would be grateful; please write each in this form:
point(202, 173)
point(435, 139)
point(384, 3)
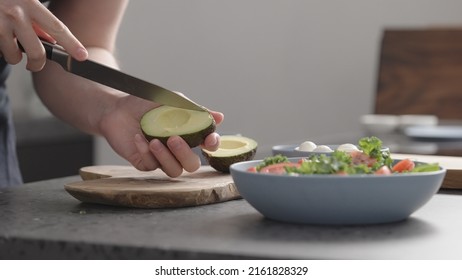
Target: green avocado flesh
point(232, 149)
point(165, 121)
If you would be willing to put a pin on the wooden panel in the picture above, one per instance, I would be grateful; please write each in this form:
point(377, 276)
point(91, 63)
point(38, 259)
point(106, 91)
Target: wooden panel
point(420, 72)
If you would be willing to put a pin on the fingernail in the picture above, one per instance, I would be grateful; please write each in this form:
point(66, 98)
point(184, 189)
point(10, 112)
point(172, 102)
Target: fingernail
point(155, 145)
point(82, 53)
point(214, 140)
point(174, 143)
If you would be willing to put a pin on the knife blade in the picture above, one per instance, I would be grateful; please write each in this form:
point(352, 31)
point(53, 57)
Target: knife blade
point(116, 79)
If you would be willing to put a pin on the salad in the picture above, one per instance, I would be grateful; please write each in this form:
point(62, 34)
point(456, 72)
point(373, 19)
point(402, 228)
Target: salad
point(369, 159)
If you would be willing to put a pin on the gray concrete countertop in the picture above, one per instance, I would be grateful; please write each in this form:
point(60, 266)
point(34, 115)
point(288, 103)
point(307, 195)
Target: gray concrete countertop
point(41, 221)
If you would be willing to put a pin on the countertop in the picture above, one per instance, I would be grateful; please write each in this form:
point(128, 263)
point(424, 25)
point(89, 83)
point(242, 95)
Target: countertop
point(41, 220)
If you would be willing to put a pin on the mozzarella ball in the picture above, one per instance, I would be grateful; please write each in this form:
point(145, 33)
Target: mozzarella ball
point(347, 148)
point(307, 146)
point(322, 149)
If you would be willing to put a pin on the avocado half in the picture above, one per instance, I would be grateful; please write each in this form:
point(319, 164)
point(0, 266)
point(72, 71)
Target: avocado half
point(232, 149)
point(165, 121)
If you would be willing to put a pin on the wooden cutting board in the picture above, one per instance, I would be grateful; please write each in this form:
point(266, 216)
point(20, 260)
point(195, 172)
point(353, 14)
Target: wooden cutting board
point(126, 186)
point(453, 165)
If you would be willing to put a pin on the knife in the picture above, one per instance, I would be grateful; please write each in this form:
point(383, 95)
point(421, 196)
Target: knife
point(116, 79)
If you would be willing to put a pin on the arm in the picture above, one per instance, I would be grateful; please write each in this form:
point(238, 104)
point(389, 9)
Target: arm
point(100, 110)
point(95, 23)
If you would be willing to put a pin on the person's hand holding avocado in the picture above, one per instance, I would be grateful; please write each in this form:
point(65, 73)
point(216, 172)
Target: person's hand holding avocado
point(121, 127)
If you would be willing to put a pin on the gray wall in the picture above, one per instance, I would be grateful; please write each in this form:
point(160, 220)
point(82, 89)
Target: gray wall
point(282, 71)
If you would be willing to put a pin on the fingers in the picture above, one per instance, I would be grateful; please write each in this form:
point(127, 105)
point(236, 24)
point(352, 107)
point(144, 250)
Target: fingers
point(169, 164)
point(176, 157)
point(9, 18)
point(172, 159)
point(25, 34)
point(211, 142)
point(146, 161)
point(24, 22)
point(52, 26)
point(42, 34)
point(183, 153)
point(218, 116)
point(9, 50)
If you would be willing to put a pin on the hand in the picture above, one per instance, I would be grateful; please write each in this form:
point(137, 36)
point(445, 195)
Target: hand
point(27, 21)
point(122, 130)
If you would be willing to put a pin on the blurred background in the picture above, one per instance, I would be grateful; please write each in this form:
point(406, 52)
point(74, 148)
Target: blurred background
point(281, 71)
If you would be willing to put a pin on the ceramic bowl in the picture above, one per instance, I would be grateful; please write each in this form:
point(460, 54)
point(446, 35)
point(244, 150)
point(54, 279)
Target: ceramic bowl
point(335, 199)
point(420, 120)
point(376, 124)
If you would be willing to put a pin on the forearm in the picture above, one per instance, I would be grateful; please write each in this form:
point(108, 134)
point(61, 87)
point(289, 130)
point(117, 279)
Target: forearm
point(76, 100)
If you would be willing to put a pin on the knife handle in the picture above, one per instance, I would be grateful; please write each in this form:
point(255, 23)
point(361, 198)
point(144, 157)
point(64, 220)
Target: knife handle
point(48, 48)
point(55, 53)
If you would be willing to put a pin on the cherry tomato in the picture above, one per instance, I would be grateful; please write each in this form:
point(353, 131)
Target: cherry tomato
point(278, 168)
point(252, 169)
point(403, 165)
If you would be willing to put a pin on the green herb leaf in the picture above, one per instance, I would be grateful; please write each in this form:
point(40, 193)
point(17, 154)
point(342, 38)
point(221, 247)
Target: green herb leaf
point(272, 160)
point(372, 146)
point(426, 167)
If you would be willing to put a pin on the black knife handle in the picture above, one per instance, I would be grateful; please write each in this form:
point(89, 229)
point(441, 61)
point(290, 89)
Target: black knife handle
point(48, 48)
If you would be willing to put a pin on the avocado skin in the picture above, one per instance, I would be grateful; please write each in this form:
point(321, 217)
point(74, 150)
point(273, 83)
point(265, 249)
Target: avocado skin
point(222, 164)
point(192, 139)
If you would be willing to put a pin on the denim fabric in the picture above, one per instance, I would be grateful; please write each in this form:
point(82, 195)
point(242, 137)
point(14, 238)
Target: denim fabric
point(9, 167)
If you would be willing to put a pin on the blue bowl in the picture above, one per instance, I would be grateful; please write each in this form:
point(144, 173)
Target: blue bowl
point(335, 199)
